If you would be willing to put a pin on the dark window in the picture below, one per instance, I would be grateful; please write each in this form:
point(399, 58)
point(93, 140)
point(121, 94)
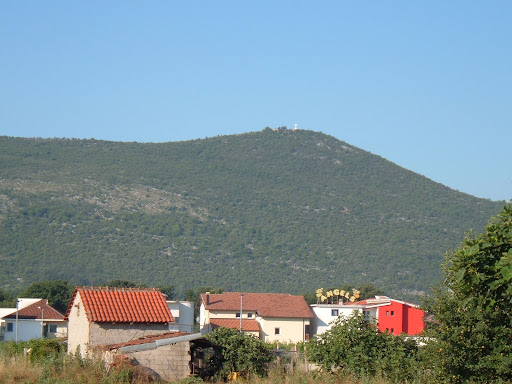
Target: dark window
point(278, 331)
point(392, 313)
point(249, 315)
point(53, 328)
point(238, 314)
point(392, 330)
point(10, 327)
point(334, 312)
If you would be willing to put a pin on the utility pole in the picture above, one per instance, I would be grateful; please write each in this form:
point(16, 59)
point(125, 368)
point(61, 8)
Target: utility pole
point(241, 308)
point(42, 320)
point(17, 301)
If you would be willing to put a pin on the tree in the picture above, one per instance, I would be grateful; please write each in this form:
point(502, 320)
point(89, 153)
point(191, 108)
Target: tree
point(472, 308)
point(367, 291)
point(193, 295)
point(241, 353)
point(355, 346)
point(57, 292)
point(125, 284)
point(168, 291)
point(7, 300)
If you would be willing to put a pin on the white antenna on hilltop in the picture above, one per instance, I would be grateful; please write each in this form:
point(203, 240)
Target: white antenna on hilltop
point(295, 128)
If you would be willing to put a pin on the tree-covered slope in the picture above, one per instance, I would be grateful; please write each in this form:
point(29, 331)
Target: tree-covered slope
point(281, 210)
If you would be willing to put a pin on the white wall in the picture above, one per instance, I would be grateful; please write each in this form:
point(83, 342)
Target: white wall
point(78, 327)
point(27, 329)
point(324, 317)
point(183, 314)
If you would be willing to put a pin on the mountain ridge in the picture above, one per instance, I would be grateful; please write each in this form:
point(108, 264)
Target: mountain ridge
point(275, 210)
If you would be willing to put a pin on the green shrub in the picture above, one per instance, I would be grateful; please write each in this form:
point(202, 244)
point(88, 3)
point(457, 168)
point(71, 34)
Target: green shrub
point(239, 352)
point(355, 346)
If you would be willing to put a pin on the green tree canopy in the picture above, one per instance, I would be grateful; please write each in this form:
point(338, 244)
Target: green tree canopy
point(240, 352)
point(7, 299)
point(125, 284)
point(57, 292)
point(355, 346)
point(473, 307)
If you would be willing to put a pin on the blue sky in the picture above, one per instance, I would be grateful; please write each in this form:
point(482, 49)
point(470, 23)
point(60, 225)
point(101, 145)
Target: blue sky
point(427, 85)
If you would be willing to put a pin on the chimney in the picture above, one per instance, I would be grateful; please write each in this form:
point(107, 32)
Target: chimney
point(207, 298)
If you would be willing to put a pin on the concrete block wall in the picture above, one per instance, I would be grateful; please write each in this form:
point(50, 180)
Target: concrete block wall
point(110, 333)
point(171, 362)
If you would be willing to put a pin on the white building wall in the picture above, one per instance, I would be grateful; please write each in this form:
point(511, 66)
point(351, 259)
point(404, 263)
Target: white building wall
point(183, 314)
point(27, 329)
point(78, 327)
point(324, 316)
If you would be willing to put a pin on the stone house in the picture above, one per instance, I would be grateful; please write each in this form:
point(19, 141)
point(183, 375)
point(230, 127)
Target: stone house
point(271, 316)
point(105, 316)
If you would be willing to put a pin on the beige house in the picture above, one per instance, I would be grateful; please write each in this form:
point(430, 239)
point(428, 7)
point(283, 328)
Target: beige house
point(105, 316)
point(271, 316)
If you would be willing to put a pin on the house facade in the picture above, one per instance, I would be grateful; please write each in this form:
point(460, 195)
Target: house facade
point(183, 314)
point(33, 319)
point(104, 316)
point(270, 316)
point(393, 316)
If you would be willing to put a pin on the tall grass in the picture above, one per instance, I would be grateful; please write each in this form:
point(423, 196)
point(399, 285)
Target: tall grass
point(55, 366)
point(52, 365)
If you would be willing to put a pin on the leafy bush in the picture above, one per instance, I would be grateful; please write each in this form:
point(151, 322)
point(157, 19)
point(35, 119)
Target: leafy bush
point(471, 340)
point(240, 352)
point(355, 346)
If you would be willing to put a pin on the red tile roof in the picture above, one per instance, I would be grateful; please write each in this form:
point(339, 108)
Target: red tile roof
point(265, 304)
point(123, 305)
point(39, 310)
point(248, 325)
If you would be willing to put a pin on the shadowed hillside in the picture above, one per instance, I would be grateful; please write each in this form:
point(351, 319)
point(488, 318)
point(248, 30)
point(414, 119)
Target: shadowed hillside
point(284, 210)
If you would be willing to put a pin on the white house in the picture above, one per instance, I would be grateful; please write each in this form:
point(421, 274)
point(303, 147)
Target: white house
point(393, 316)
point(33, 319)
point(271, 316)
point(183, 314)
point(326, 314)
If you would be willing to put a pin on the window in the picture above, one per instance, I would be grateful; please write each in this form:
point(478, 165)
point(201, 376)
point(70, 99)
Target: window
point(52, 328)
point(366, 313)
point(277, 331)
point(10, 327)
point(392, 313)
point(334, 312)
point(392, 330)
point(237, 314)
point(387, 313)
point(249, 315)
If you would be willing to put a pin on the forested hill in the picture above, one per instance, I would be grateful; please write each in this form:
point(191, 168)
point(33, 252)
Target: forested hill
point(277, 210)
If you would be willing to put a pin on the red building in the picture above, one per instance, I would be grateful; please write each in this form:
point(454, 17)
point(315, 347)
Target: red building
point(394, 316)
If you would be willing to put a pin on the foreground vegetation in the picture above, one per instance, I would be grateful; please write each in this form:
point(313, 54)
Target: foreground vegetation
point(468, 343)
